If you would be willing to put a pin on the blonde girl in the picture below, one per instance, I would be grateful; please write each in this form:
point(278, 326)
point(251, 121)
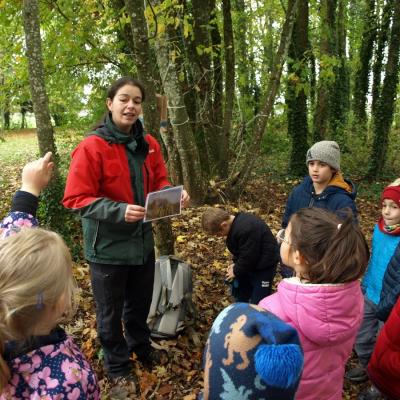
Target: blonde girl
point(38, 359)
point(323, 301)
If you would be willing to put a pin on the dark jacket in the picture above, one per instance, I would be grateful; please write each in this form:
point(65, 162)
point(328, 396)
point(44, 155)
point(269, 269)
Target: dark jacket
point(108, 171)
point(252, 244)
point(339, 194)
point(390, 286)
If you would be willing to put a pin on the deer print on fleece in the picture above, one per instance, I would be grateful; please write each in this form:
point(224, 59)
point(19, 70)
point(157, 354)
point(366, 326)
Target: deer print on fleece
point(237, 342)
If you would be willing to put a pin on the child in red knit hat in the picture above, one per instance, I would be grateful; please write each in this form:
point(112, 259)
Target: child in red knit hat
point(381, 283)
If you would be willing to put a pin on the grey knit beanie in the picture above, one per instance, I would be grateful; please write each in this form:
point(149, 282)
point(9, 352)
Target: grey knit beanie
point(326, 151)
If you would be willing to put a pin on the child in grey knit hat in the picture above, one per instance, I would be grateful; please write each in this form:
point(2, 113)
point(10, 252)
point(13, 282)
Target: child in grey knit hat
point(324, 187)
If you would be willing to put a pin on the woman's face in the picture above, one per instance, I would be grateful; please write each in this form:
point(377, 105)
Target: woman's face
point(125, 107)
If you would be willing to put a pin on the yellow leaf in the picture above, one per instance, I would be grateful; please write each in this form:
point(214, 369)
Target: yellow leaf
point(161, 28)
point(218, 265)
point(181, 239)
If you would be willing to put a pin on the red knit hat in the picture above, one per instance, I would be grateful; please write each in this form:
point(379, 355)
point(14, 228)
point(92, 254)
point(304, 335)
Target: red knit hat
point(391, 193)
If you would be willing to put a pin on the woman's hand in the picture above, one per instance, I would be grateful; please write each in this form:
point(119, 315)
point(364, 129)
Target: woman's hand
point(134, 213)
point(36, 175)
point(185, 198)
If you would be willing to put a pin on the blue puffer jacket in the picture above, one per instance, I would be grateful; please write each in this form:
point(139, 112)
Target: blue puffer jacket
point(335, 197)
point(390, 286)
point(383, 249)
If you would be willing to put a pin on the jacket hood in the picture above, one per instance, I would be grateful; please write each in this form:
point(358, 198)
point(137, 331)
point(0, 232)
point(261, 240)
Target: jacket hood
point(338, 184)
point(327, 314)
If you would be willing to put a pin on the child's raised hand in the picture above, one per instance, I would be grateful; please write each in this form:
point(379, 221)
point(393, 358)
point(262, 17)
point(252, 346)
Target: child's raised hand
point(36, 175)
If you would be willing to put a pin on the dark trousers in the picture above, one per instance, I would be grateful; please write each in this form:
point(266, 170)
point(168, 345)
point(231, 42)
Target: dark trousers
point(122, 294)
point(255, 286)
point(369, 329)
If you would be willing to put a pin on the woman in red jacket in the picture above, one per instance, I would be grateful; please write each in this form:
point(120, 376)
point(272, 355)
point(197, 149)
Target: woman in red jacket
point(111, 172)
point(384, 366)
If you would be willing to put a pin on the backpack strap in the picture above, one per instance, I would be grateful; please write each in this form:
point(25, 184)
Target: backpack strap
point(166, 284)
point(177, 293)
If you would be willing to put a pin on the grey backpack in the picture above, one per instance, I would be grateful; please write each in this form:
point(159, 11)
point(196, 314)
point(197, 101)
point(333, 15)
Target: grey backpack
point(172, 304)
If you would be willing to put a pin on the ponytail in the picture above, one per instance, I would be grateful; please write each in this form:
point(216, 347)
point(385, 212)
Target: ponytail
point(335, 250)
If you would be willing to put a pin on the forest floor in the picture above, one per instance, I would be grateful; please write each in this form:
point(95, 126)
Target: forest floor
point(179, 375)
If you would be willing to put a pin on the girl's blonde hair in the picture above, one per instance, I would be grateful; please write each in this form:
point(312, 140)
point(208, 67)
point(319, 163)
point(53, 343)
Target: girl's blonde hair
point(334, 249)
point(35, 276)
point(395, 183)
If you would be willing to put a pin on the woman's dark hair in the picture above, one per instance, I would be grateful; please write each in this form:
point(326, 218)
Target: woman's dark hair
point(334, 249)
point(125, 80)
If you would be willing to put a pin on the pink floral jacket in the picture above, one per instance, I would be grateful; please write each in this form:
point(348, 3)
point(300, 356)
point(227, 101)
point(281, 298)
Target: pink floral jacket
point(56, 370)
point(48, 367)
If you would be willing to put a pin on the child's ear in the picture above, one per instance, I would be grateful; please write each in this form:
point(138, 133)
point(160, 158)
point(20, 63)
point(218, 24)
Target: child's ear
point(298, 258)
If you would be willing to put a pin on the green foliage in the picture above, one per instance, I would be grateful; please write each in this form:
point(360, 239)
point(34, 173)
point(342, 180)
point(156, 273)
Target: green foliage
point(15, 152)
point(54, 216)
point(275, 147)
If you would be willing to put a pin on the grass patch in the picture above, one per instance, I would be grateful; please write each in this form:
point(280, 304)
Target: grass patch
point(17, 149)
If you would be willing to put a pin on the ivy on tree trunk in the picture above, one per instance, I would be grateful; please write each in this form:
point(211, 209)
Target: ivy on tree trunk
point(36, 77)
point(296, 99)
point(383, 117)
point(361, 80)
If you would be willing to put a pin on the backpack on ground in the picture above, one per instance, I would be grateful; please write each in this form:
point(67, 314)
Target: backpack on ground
point(172, 297)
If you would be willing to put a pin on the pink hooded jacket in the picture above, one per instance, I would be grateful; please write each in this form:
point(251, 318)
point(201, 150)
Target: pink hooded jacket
point(327, 318)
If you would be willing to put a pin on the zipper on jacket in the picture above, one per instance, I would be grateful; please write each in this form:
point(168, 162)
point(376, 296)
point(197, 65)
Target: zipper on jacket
point(147, 179)
point(95, 237)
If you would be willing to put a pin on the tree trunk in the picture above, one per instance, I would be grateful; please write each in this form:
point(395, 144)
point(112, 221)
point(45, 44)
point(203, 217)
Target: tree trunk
point(229, 81)
point(361, 80)
point(296, 98)
point(52, 212)
point(218, 72)
point(380, 52)
point(183, 134)
point(243, 55)
point(340, 96)
point(145, 63)
point(383, 118)
point(327, 45)
point(202, 10)
point(236, 182)
point(36, 77)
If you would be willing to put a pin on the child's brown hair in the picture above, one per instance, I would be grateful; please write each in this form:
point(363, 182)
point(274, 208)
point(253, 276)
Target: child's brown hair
point(334, 250)
point(213, 218)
